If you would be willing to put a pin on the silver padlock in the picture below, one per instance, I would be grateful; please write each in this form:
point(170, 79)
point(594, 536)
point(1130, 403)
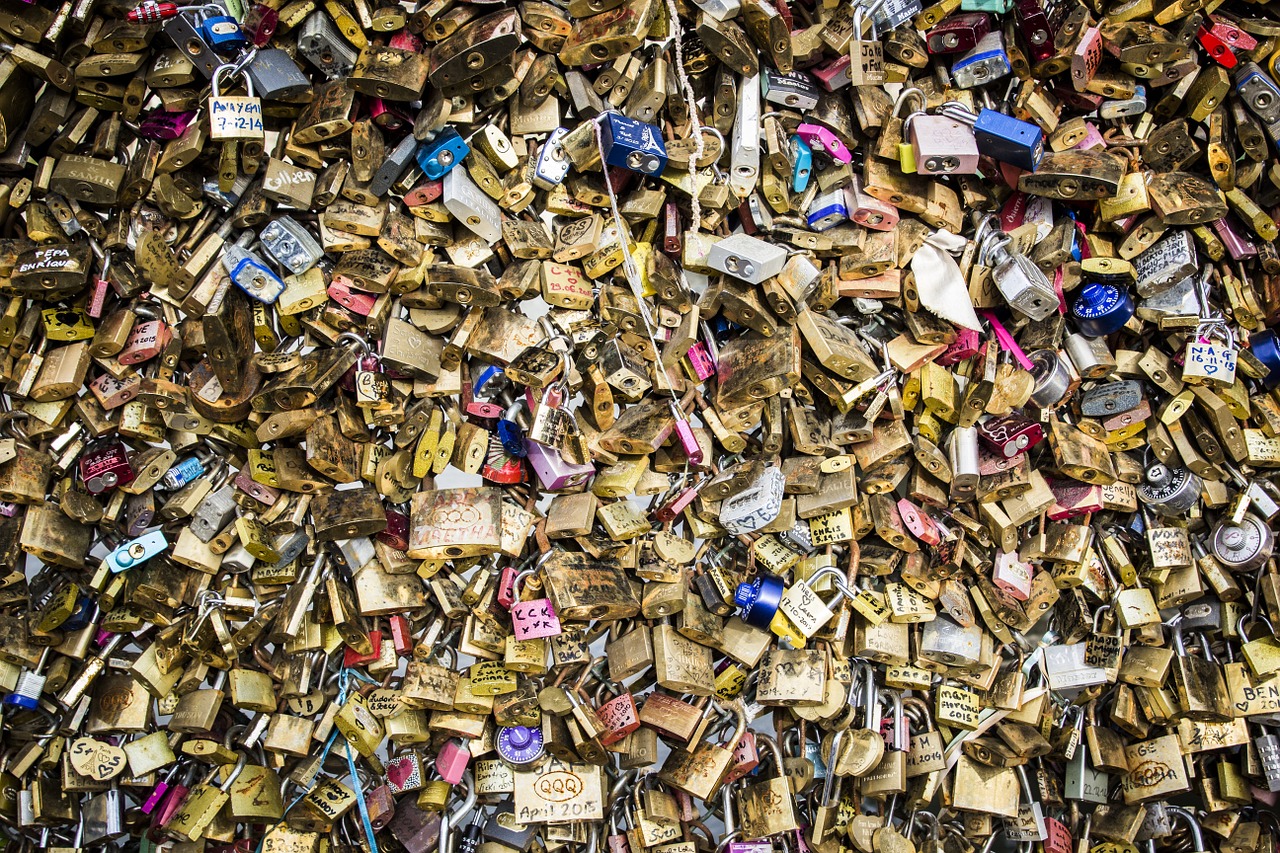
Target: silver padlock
point(1092, 357)
point(749, 258)
point(291, 244)
point(744, 154)
point(1170, 492)
point(1170, 260)
point(1022, 284)
point(1242, 547)
point(962, 453)
point(471, 207)
point(214, 513)
point(945, 642)
point(1065, 668)
point(756, 506)
point(324, 47)
point(552, 165)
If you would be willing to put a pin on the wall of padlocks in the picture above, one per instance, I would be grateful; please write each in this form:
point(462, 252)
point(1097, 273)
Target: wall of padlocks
point(639, 426)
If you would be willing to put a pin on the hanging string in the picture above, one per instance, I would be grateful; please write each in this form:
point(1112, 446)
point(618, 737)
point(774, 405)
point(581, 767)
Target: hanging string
point(690, 100)
point(629, 268)
point(344, 682)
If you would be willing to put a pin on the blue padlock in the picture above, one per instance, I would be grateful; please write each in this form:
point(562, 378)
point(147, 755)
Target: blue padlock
point(256, 279)
point(1266, 347)
point(82, 615)
point(987, 61)
point(828, 210)
point(759, 599)
point(437, 156)
point(632, 144)
point(1102, 309)
point(1009, 140)
point(511, 435)
point(137, 552)
point(802, 157)
point(223, 33)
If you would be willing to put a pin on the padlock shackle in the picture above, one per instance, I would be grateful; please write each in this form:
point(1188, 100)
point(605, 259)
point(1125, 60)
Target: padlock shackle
point(1197, 836)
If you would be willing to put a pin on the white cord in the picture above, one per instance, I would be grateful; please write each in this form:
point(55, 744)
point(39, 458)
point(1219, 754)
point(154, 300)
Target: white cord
point(690, 100)
point(629, 267)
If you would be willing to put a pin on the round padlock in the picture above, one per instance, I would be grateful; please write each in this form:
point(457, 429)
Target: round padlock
point(1169, 491)
point(1242, 547)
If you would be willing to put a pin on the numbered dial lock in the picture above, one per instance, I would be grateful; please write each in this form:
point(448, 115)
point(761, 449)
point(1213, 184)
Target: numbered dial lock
point(1242, 547)
point(520, 746)
point(1102, 309)
point(1169, 491)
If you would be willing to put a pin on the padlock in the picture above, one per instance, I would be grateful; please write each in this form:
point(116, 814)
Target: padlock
point(233, 117)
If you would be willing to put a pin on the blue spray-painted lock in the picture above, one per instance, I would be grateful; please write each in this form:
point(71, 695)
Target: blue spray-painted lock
point(138, 551)
point(437, 156)
point(828, 210)
point(802, 156)
point(1266, 347)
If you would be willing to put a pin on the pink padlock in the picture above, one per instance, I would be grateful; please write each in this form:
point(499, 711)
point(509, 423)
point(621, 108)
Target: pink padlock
point(507, 586)
point(620, 718)
point(1011, 575)
point(260, 492)
point(148, 338)
point(746, 757)
point(99, 298)
point(1011, 434)
point(165, 126)
point(618, 843)
point(424, 193)
point(405, 40)
point(868, 211)
point(1057, 836)
point(452, 760)
point(834, 74)
point(342, 291)
point(701, 362)
point(819, 138)
point(1092, 139)
point(383, 114)
point(688, 441)
point(534, 619)
point(396, 533)
point(1072, 499)
point(1239, 246)
point(964, 347)
point(668, 510)
point(920, 525)
point(113, 393)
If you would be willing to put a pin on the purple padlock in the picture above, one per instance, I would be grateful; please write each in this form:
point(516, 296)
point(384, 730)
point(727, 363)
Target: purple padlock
point(554, 472)
point(749, 847)
point(165, 126)
point(520, 745)
point(701, 362)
